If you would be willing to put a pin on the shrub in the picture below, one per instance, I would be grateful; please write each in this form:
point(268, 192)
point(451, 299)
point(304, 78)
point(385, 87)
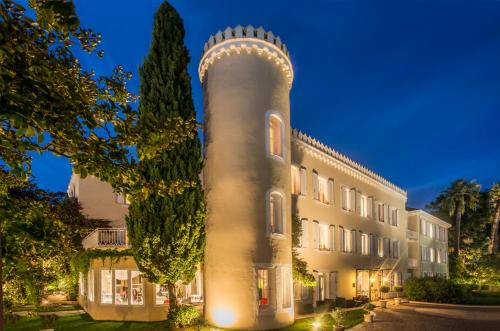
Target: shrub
point(48, 320)
point(434, 289)
point(183, 315)
point(338, 316)
point(369, 306)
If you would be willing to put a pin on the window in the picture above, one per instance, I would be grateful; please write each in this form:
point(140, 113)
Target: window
point(90, 287)
point(333, 285)
point(304, 238)
point(332, 237)
point(121, 287)
point(431, 254)
point(137, 287)
point(324, 240)
point(395, 249)
point(353, 244)
point(323, 189)
point(387, 247)
point(439, 255)
point(321, 286)
point(363, 208)
point(316, 235)
point(161, 294)
point(345, 198)
point(345, 240)
point(431, 230)
point(286, 281)
point(395, 217)
point(380, 244)
point(370, 207)
point(106, 286)
point(299, 180)
point(276, 213)
point(263, 287)
point(275, 136)
point(365, 245)
point(381, 217)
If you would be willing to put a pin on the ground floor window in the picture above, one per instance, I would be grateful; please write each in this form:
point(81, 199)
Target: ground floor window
point(263, 287)
point(286, 280)
point(161, 294)
point(121, 287)
point(106, 286)
point(137, 287)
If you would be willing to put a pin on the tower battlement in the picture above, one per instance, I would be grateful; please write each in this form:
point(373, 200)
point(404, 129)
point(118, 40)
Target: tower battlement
point(246, 39)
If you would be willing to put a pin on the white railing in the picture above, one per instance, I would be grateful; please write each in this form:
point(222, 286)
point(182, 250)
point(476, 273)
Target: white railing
point(103, 237)
point(412, 263)
point(411, 235)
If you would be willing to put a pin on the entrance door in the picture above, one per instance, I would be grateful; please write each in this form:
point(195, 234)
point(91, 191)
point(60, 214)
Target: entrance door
point(363, 283)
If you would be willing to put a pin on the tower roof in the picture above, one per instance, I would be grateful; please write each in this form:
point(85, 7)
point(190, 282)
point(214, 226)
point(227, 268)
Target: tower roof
point(246, 39)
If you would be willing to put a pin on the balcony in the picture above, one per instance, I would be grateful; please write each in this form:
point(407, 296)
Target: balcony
point(411, 235)
point(106, 238)
point(412, 263)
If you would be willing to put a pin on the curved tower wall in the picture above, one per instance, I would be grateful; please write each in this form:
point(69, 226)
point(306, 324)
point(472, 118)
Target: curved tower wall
point(246, 75)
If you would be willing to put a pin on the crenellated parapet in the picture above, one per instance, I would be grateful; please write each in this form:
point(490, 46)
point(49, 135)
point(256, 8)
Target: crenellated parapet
point(238, 40)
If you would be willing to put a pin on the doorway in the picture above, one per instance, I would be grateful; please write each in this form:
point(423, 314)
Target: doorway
point(363, 283)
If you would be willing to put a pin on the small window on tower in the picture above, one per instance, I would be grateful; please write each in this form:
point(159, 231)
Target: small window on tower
point(263, 287)
point(275, 136)
point(276, 214)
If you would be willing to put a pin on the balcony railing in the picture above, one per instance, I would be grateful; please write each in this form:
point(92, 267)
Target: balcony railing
point(103, 237)
point(411, 235)
point(412, 263)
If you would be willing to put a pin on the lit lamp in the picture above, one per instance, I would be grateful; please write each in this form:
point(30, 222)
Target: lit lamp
point(223, 316)
point(316, 325)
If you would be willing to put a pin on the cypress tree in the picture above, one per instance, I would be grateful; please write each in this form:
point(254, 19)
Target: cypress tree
point(166, 229)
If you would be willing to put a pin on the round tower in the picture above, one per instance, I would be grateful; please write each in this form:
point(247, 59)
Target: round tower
point(246, 75)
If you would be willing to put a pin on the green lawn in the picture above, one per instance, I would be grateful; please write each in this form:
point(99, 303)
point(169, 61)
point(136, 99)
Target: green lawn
point(46, 308)
point(85, 323)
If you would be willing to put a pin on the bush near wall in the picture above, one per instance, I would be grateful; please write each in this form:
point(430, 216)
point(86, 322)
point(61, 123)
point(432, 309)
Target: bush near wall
point(435, 289)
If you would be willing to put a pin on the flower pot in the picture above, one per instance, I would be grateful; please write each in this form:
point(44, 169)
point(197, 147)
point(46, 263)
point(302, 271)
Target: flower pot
point(397, 301)
point(338, 328)
point(383, 303)
point(368, 317)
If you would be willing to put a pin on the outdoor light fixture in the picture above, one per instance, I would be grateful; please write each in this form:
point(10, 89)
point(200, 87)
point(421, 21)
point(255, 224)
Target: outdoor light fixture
point(223, 316)
point(385, 279)
point(372, 280)
point(316, 325)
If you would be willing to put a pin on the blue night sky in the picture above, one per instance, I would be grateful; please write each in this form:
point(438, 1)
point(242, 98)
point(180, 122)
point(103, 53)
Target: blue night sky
point(409, 89)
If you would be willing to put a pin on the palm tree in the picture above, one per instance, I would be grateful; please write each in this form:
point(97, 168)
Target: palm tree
point(494, 197)
point(462, 195)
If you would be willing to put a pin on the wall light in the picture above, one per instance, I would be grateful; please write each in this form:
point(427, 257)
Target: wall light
point(372, 280)
point(223, 316)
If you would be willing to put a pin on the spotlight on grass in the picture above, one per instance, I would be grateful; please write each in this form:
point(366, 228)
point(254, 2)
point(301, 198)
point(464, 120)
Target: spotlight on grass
point(316, 325)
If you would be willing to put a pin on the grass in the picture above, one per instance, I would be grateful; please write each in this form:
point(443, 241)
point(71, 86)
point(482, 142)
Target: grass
point(85, 323)
point(47, 309)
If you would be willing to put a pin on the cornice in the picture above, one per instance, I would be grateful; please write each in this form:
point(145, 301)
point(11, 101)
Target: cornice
point(234, 41)
point(344, 164)
point(429, 217)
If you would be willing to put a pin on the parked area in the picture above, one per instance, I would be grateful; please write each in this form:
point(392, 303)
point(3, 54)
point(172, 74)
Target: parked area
point(420, 317)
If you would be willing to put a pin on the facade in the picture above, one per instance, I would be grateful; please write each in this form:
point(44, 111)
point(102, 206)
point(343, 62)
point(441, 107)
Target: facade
point(258, 175)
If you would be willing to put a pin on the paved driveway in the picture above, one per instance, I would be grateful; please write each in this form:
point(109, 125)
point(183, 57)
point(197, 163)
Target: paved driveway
point(424, 317)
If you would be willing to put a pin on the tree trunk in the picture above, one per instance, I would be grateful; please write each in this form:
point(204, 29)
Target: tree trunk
point(172, 295)
point(1, 284)
point(494, 230)
point(458, 221)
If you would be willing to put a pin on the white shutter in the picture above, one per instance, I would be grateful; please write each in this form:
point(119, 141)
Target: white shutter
point(315, 235)
point(352, 200)
point(315, 185)
point(389, 214)
point(353, 241)
point(303, 181)
point(304, 241)
point(370, 207)
point(375, 210)
point(341, 239)
point(359, 242)
point(332, 237)
point(330, 192)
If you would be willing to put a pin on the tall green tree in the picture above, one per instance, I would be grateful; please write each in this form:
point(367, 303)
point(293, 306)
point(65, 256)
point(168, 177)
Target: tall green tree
point(494, 199)
point(462, 195)
point(166, 228)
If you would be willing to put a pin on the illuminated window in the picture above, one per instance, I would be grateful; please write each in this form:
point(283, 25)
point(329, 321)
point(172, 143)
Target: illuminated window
point(346, 198)
point(431, 254)
point(121, 287)
point(106, 286)
point(365, 247)
point(380, 244)
point(345, 240)
point(287, 287)
point(275, 136)
point(90, 287)
point(363, 208)
point(137, 287)
point(299, 181)
point(161, 294)
point(316, 235)
point(395, 217)
point(324, 240)
point(332, 237)
point(276, 213)
point(263, 287)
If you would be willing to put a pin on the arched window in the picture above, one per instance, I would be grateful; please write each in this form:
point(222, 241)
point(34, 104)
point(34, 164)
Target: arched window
point(276, 142)
point(276, 213)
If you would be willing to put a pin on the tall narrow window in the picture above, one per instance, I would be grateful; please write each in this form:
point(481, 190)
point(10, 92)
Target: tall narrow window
point(316, 235)
point(352, 199)
point(276, 215)
point(323, 190)
point(295, 180)
point(161, 294)
point(380, 245)
point(263, 287)
point(363, 206)
point(90, 287)
point(324, 237)
point(381, 217)
point(286, 281)
point(332, 237)
point(137, 287)
point(303, 181)
point(370, 207)
point(106, 286)
point(275, 136)
point(121, 287)
point(432, 254)
point(342, 239)
point(345, 198)
point(365, 244)
point(353, 244)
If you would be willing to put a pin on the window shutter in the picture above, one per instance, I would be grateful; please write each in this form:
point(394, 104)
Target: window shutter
point(352, 200)
point(331, 196)
point(303, 181)
point(304, 241)
point(358, 202)
point(316, 234)
point(359, 239)
point(341, 239)
point(389, 214)
point(333, 285)
point(376, 215)
point(353, 241)
point(332, 237)
point(369, 207)
point(315, 185)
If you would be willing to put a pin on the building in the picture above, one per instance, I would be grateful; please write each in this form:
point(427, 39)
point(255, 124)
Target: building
point(258, 174)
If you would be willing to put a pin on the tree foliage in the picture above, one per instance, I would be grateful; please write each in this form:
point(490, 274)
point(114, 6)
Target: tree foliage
point(494, 201)
point(167, 230)
point(299, 266)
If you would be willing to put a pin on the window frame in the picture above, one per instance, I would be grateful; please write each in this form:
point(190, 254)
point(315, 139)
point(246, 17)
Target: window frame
point(275, 115)
point(269, 217)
